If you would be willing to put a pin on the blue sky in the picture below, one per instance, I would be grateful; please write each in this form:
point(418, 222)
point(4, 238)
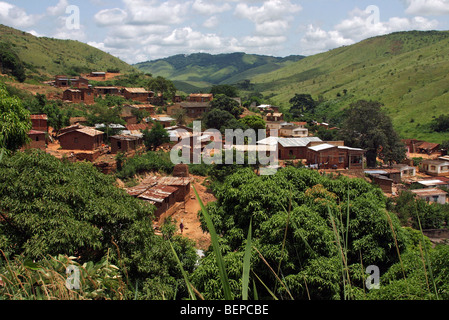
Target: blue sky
point(141, 30)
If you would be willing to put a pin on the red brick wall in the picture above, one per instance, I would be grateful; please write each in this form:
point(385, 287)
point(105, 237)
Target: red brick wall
point(78, 141)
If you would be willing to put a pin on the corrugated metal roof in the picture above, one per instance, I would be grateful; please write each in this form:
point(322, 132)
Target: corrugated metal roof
point(90, 131)
point(431, 182)
point(158, 193)
point(429, 192)
point(136, 90)
point(322, 147)
point(166, 181)
point(297, 142)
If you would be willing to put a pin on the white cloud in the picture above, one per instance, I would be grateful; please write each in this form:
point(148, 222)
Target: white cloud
point(59, 9)
point(16, 17)
point(359, 26)
point(142, 12)
point(212, 22)
point(110, 17)
point(273, 18)
point(208, 8)
point(427, 7)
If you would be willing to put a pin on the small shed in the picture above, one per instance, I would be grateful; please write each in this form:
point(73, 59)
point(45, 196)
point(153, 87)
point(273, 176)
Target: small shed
point(162, 197)
point(38, 140)
point(125, 143)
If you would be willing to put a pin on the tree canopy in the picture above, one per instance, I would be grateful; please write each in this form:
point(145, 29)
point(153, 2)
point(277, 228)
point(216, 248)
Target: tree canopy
point(52, 207)
point(225, 103)
point(15, 122)
point(366, 126)
point(162, 86)
point(155, 137)
point(299, 217)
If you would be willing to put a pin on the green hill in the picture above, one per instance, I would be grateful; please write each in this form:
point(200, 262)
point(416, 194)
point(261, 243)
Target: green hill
point(200, 71)
point(406, 71)
point(46, 57)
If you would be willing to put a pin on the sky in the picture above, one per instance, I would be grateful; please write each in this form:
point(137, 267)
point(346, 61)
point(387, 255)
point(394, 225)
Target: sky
point(143, 30)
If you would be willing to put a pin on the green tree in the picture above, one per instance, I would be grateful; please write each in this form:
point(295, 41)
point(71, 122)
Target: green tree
point(162, 86)
point(155, 137)
point(440, 124)
point(15, 122)
point(217, 118)
point(366, 126)
point(302, 223)
point(11, 63)
point(302, 103)
point(226, 89)
point(225, 103)
point(254, 122)
point(52, 207)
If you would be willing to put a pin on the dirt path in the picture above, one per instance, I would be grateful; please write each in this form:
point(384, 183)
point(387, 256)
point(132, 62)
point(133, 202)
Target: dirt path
point(189, 215)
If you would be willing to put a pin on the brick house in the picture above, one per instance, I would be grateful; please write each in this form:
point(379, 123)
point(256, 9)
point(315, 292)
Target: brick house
point(195, 110)
point(125, 143)
point(81, 138)
point(79, 96)
point(200, 97)
point(294, 148)
point(39, 122)
point(38, 140)
point(137, 94)
point(80, 83)
point(328, 156)
point(102, 91)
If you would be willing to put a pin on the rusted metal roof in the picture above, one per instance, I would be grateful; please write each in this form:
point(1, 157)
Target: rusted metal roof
point(90, 131)
point(136, 90)
point(137, 190)
point(429, 192)
point(173, 181)
point(158, 193)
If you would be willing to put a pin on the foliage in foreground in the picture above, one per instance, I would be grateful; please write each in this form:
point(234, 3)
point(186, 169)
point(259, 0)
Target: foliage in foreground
point(50, 207)
point(313, 238)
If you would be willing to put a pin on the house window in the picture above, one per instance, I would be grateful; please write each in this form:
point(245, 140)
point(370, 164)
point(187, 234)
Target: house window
point(341, 159)
point(75, 140)
point(433, 168)
point(435, 198)
point(119, 144)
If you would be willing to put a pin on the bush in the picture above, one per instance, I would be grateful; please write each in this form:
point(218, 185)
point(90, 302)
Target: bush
point(149, 162)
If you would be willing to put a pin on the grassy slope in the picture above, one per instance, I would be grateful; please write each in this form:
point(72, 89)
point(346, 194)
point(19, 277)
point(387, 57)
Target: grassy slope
point(48, 57)
point(406, 71)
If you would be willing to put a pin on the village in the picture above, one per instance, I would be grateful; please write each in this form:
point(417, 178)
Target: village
point(424, 172)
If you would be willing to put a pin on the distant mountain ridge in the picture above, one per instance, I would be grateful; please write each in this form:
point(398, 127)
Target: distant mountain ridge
point(198, 71)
